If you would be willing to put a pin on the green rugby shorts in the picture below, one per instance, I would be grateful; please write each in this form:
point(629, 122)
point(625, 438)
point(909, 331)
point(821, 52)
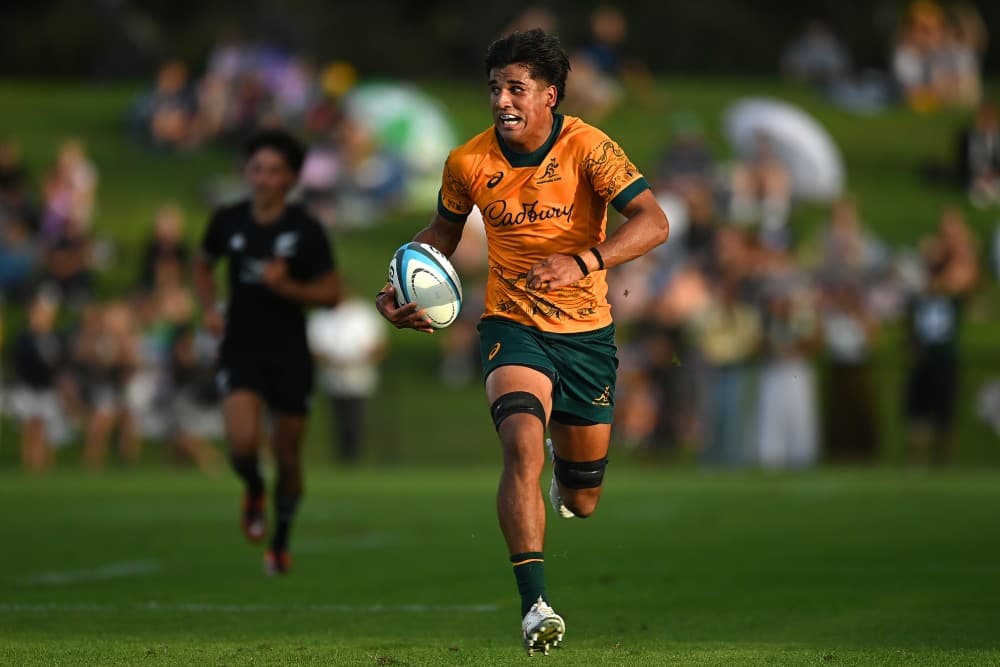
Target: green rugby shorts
point(583, 366)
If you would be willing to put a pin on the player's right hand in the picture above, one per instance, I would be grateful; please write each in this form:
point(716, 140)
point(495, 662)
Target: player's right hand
point(407, 316)
point(213, 322)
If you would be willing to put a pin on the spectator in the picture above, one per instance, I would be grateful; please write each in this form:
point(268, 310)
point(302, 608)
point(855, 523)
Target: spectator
point(18, 260)
point(687, 157)
point(787, 411)
point(672, 359)
point(16, 200)
point(849, 251)
point(936, 57)
point(106, 350)
point(166, 117)
point(979, 157)
point(70, 192)
point(728, 335)
point(816, 56)
point(194, 418)
point(38, 358)
point(599, 70)
point(761, 192)
point(354, 181)
point(964, 44)
point(850, 400)
point(167, 250)
point(933, 323)
point(66, 262)
point(349, 342)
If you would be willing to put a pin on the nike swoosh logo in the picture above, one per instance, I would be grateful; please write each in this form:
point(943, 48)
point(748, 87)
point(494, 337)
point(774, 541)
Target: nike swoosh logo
point(494, 180)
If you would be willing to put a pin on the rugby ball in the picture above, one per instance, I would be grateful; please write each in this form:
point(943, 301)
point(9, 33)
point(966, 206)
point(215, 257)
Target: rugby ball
point(421, 274)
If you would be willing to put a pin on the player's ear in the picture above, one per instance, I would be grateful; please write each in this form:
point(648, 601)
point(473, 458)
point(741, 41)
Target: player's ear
point(551, 96)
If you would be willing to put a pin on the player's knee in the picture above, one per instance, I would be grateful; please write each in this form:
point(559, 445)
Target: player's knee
point(580, 476)
point(243, 442)
point(516, 402)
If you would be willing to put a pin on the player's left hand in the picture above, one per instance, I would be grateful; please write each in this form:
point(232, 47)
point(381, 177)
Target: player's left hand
point(553, 272)
point(275, 272)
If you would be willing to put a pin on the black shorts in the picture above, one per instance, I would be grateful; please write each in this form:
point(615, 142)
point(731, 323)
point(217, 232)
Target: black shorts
point(932, 391)
point(281, 375)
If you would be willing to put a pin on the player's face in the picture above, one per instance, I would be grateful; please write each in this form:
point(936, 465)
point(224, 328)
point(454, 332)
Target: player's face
point(521, 106)
point(269, 176)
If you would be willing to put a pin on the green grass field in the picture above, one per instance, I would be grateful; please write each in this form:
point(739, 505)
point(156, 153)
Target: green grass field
point(408, 568)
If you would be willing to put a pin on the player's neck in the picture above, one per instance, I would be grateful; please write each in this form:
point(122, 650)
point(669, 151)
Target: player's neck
point(266, 212)
point(535, 141)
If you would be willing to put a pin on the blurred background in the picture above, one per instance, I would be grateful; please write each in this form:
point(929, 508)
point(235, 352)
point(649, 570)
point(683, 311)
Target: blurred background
point(831, 171)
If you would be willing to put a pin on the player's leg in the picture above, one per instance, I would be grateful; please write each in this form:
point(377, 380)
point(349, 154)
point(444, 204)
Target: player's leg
point(579, 461)
point(582, 411)
point(520, 400)
point(241, 410)
point(286, 443)
point(289, 382)
point(519, 391)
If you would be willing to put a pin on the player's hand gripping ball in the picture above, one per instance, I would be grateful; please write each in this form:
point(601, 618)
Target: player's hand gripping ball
point(421, 274)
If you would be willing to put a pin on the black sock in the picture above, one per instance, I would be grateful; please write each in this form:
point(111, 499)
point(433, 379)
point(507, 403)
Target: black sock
point(248, 469)
point(529, 570)
point(284, 511)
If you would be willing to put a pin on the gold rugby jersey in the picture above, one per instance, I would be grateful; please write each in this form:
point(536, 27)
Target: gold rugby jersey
point(553, 200)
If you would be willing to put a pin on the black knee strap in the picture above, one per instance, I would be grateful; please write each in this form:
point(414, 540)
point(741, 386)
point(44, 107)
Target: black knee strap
point(579, 474)
point(515, 402)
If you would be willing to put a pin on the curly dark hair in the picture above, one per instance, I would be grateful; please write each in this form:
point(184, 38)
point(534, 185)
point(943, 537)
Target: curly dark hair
point(537, 50)
point(281, 141)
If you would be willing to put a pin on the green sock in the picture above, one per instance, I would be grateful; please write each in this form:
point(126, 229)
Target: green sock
point(529, 570)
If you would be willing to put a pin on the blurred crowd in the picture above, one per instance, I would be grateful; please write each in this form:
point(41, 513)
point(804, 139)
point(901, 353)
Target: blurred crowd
point(725, 332)
point(108, 372)
point(935, 61)
point(376, 147)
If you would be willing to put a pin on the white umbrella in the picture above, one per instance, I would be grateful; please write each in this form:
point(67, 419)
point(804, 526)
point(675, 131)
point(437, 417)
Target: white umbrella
point(806, 148)
point(412, 124)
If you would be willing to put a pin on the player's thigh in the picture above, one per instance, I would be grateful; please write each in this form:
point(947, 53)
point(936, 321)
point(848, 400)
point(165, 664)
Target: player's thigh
point(289, 379)
point(241, 410)
point(580, 443)
point(513, 378)
point(514, 359)
point(587, 367)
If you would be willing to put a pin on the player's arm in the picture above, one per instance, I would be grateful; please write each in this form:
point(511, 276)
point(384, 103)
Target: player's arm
point(323, 290)
point(443, 234)
point(645, 227)
point(204, 288)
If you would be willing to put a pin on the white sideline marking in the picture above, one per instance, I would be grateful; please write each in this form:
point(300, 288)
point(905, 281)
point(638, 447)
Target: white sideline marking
point(109, 571)
point(210, 607)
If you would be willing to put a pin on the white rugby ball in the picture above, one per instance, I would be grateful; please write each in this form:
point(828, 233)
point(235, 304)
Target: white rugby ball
point(421, 274)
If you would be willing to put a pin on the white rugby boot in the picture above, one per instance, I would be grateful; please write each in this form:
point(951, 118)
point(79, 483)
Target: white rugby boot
point(554, 497)
point(542, 628)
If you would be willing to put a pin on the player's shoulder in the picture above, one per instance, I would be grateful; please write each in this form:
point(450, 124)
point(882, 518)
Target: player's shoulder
point(232, 213)
point(300, 216)
point(476, 149)
point(576, 132)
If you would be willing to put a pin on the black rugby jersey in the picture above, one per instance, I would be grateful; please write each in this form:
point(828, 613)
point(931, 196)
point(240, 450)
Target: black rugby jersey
point(254, 311)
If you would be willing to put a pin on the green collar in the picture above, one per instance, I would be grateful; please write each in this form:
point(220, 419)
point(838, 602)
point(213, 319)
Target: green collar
point(535, 157)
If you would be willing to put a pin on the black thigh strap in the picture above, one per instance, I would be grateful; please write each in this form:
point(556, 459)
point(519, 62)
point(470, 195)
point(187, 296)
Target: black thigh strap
point(515, 402)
